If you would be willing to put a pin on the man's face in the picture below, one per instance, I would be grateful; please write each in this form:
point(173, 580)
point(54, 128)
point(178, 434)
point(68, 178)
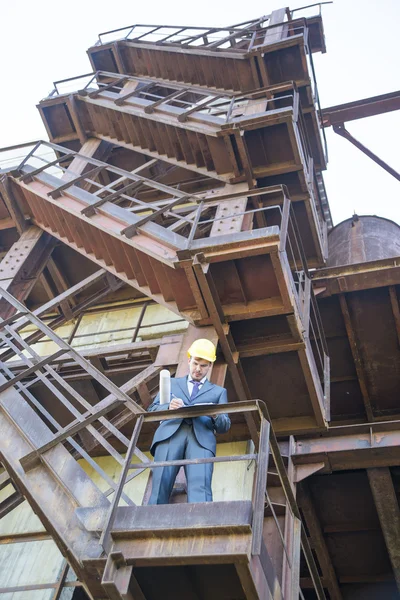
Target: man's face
point(198, 368)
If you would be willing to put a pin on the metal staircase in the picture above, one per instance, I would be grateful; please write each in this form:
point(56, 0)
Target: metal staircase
point(243, 247)
point(199, 184)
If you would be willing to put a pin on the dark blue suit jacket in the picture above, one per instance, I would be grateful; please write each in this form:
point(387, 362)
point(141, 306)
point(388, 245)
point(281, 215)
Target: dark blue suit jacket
point(204, 427)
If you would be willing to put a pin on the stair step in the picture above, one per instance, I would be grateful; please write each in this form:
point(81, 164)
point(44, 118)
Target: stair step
point(157, 58)
point(115, 125)
point(163, 281)
point(106, 251)
point(129, 270)
point(134, 259)
point(211, 75)
point(182, 291)
point(116, 253)
point(147, 134)
point(157, 137)
point(166, 132)
point(94, 241)
point(149, 64)
point(175, 143)
point(185, 66)
point(102, 121)
point(132, 136)
point(57, 223)
point(122, 126)
point(144, 142)
point(74, 226)
point(231, 70)
point(146, 264)
point(205, 149)
point(82, 227)
point(185, 145)
point(198, 156)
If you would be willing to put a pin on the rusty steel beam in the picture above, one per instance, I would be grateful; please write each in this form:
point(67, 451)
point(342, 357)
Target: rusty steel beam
point(387, 506)
point(358, 363)
point(352, 447)
point(23, 264)
point(367, 107)
point(340, 129)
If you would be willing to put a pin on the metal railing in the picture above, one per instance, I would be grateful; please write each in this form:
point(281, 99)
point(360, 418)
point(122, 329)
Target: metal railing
point(192, 215)
point(251, 35)
point(320, 350)
point(304, 8)
point(183, 35)
point(256, 411)
point(68, 412)
point(191, 220)
point(188, 100)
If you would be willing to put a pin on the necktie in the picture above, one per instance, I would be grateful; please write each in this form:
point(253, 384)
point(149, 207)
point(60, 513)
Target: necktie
point(195, 390)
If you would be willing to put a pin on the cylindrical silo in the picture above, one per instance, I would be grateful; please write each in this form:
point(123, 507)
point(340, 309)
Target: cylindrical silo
point(363, 239)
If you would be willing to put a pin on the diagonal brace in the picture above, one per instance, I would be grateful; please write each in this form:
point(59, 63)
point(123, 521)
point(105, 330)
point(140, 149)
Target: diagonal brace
point(341, 130)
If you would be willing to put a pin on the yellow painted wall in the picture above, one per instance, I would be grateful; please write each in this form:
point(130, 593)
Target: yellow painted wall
point(231, 480)
point(96, 323)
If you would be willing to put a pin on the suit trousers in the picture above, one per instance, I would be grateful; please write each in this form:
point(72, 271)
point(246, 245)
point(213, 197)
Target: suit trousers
point(183, 444)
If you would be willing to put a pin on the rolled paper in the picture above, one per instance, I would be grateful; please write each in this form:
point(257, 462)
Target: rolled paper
point(165, 386)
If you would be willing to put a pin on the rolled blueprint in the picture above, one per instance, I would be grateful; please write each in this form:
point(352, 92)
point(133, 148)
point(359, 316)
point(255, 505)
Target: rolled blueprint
point(165, 386)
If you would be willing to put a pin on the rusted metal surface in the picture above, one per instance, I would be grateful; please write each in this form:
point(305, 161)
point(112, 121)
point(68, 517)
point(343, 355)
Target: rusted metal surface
point(362, 239)
point(23, 264)
point(360, 109)
point(342, 131)
point(388, 510)
point(319, 544)
point(352, 447)
point(347, 520)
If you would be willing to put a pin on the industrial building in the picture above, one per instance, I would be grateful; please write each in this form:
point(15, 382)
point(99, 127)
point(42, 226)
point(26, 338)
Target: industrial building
point(180, 196)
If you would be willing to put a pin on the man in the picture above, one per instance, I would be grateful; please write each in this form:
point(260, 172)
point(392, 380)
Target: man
point(177, 439)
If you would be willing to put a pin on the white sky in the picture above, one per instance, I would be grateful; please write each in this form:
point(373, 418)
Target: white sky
point(41, 42)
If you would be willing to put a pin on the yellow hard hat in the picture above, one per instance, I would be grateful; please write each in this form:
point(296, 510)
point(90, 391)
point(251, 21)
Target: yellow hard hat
point(202, 349)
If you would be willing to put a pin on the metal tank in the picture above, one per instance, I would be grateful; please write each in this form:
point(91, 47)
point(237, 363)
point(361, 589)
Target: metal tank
point(363, 239)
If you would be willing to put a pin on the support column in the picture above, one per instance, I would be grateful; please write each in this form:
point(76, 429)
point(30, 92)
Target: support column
point(292, 536)
point(387, 506)
point(317, 537)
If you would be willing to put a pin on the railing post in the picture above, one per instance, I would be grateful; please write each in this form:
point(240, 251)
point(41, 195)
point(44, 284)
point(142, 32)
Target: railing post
point(260, 487)
point(105, 540)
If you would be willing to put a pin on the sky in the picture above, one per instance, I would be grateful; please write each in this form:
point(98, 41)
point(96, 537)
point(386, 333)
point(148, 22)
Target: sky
point(42, 42)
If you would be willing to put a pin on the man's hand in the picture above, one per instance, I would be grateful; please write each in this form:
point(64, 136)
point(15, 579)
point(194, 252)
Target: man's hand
point(176, 403)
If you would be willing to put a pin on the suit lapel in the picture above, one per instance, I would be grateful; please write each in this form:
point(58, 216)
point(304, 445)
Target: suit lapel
point(203, 390)
point(182, 384)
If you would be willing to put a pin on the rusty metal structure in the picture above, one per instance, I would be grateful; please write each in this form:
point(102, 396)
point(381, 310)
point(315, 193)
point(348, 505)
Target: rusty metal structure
point(185, 173)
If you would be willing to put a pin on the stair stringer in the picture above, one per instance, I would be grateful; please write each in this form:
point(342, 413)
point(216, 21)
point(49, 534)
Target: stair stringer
point(53, 489)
